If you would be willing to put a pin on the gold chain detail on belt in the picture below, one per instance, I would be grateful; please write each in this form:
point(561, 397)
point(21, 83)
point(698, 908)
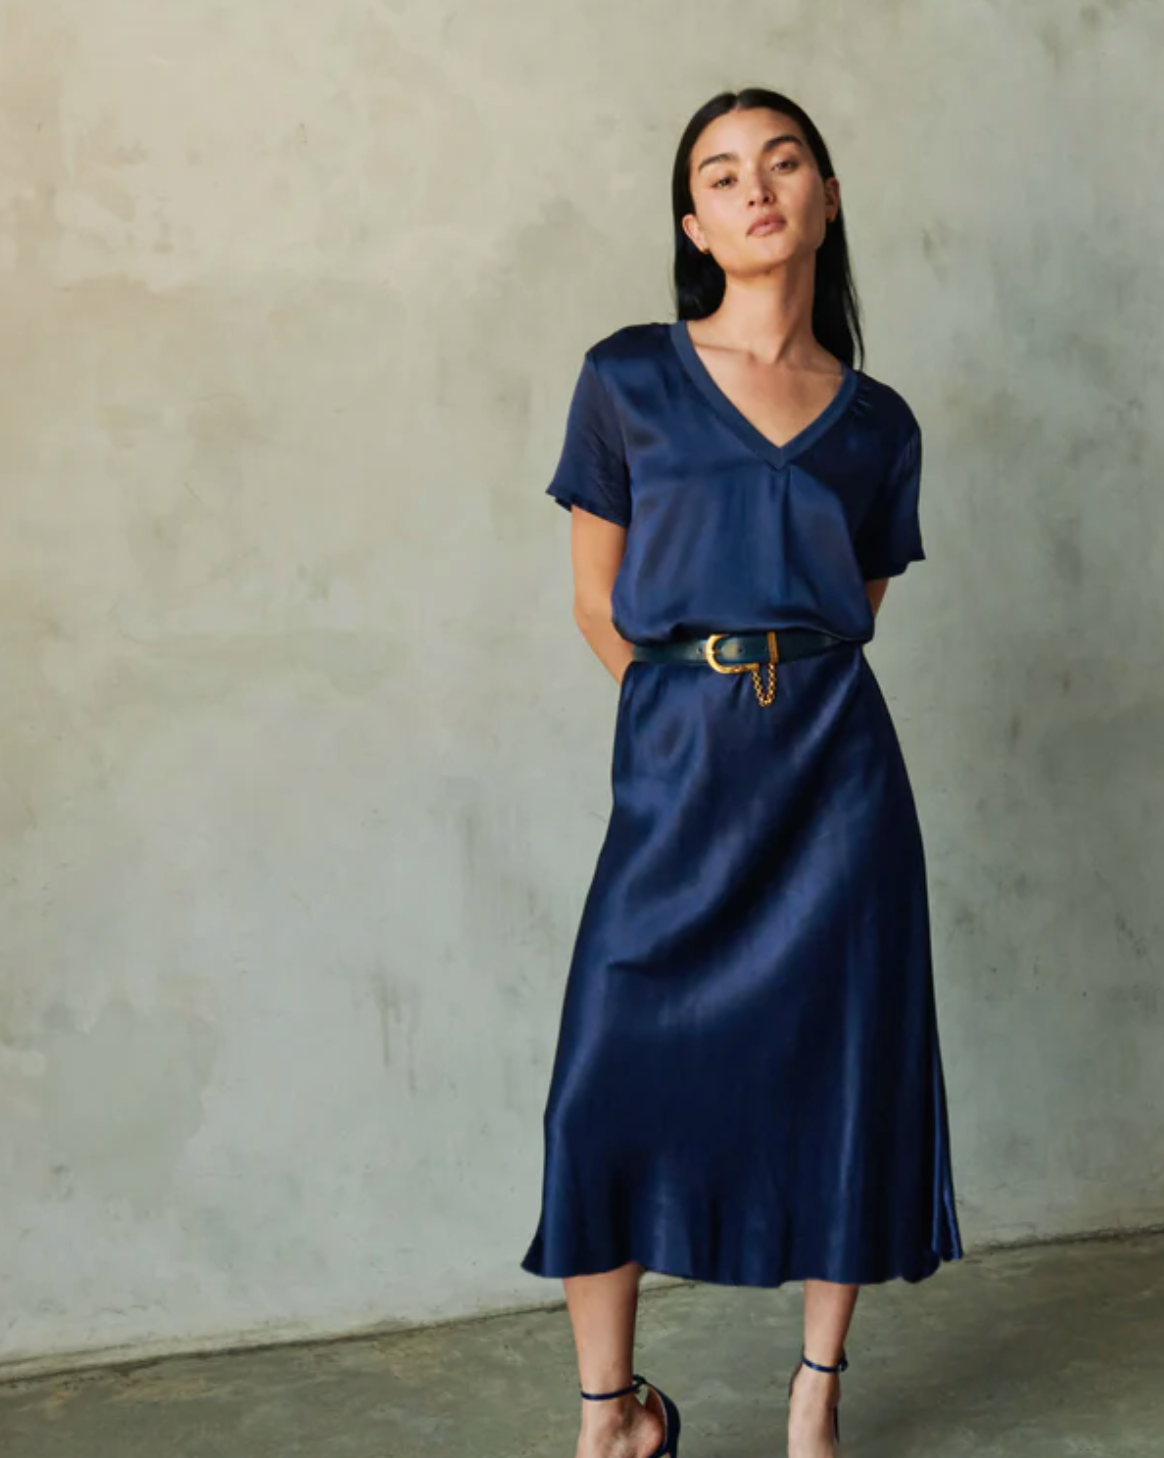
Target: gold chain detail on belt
point(765, 693)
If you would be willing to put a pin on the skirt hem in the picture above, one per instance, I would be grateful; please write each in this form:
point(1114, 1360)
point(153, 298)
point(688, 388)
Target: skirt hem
point(664, 1267)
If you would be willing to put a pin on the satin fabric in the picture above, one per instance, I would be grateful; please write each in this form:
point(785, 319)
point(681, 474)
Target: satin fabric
point(748, 1084)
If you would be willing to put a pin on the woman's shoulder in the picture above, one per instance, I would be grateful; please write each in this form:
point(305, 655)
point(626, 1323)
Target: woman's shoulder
point(884, 406)
point(632, 342)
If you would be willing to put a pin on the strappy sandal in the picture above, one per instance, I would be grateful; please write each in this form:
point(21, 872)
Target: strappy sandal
point(816, 1367)
point(669, 1447)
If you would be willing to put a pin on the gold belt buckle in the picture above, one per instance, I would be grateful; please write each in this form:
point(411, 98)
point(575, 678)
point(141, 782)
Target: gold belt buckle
point(764, 693)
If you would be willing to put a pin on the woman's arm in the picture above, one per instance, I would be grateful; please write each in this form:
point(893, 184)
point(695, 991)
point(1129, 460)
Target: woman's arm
point(596, 550)
point(875, 588)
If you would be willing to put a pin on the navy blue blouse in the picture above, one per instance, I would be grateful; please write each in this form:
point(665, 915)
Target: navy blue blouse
point(727, 532)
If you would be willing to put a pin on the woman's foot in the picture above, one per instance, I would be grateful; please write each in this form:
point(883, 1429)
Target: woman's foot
point(810, 1417)
point(621, 1428)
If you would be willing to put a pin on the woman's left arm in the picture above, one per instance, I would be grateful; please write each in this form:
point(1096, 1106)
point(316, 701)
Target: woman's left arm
point(875, 587)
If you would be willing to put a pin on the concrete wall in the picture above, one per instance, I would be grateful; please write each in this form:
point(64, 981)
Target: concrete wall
point(304, 763)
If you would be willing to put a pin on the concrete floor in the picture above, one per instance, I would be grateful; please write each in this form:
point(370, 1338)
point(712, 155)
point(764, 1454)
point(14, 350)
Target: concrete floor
point(1051, 1350)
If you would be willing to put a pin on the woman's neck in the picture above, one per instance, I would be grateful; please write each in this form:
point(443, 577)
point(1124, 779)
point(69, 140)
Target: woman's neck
point(769, 318)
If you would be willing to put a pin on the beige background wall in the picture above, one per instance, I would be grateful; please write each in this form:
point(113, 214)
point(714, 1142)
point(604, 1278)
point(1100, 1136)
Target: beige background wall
point(304, 765)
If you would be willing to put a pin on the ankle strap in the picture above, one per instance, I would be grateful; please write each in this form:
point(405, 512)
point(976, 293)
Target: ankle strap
point(816, 1367)
point(636, 1383)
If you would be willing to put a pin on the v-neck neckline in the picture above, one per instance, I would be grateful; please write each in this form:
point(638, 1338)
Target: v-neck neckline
point(732, 416)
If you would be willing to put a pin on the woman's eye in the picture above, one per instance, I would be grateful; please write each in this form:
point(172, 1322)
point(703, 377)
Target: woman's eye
point(720, 181)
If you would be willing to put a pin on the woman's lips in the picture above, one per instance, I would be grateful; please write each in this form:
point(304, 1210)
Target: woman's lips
point(766, 225)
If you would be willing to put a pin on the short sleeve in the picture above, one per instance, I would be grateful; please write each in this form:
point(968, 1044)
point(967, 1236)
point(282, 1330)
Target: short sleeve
point(592, 470)
point(889, 537)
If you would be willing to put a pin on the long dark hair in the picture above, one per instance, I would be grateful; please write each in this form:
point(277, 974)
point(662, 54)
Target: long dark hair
point(699, 280)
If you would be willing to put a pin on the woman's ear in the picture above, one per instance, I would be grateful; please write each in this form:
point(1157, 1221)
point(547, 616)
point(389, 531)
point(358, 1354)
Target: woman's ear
point(832, 189)
point(695, 232)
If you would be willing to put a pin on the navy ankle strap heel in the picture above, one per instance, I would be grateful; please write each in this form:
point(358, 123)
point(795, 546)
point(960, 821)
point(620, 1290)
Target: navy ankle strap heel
point(669, 1448)
point(817, 1367)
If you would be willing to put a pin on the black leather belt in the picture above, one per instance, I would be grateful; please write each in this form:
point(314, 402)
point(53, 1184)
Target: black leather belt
point(742, 653)
point(737, 652)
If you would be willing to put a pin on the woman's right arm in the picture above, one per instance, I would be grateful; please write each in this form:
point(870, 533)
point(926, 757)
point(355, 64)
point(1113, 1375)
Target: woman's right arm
point(596, 550)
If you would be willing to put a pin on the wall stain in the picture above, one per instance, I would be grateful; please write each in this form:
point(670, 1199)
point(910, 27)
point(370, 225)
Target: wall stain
point(399, 1019)
point(1055, 45)
point(1066, 553)
point(935, 242)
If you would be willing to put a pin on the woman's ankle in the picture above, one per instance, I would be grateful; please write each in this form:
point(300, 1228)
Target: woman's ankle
point(614, 1415)
point(815, 1388)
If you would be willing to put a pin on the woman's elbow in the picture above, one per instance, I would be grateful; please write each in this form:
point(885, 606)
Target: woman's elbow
point(591, 612)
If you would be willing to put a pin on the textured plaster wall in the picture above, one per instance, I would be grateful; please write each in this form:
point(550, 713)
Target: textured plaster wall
point(304, 765)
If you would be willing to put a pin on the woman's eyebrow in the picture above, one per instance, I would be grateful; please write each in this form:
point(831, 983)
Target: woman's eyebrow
point(767, 147)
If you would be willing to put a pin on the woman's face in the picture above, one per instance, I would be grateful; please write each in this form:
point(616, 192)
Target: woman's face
point(759, 197)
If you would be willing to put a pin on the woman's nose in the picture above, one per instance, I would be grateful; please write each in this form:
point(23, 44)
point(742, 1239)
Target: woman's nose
point(760, 187)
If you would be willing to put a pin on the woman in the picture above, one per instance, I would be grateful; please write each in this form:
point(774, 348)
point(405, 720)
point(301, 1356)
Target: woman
point(748, 1086)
